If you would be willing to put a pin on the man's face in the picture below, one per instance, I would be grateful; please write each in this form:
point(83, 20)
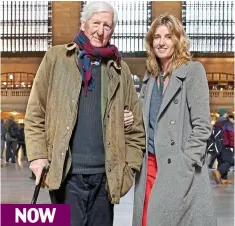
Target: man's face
point(162, 43)
point(99, 28)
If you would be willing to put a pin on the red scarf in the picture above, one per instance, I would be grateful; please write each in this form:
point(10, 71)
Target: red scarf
point(88, 52)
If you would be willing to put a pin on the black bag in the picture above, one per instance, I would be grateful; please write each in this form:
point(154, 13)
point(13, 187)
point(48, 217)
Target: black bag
point(215, 142)
point(13, 131)
point(21, 136)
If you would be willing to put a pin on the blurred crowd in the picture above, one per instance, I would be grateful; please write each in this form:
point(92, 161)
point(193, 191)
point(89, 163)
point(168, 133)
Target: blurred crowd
point(221, 146)
point(12, 140)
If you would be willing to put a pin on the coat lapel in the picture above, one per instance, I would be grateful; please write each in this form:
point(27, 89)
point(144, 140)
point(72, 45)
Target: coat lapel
point(149, 80)
point(173, 87)
point(147, 98)
point(104, 90)
point(72, 68)
point(114, 80)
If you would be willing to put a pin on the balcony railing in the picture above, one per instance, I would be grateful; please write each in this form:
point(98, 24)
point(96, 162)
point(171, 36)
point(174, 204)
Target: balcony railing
point(14, 99)
point(15, 93)
point(221, 99)
point(221, 94)
point(18, 99)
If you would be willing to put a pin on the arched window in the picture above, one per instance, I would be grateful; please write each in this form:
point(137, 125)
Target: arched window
point(17, 80)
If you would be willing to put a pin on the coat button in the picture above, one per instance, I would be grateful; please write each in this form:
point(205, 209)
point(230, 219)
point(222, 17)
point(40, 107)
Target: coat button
point(113, 196)
point(109, 169)
point(108, 116)
point(176, 101)
point(108, 143)
point(172, 122)
point(172, 142)
point(168, 161)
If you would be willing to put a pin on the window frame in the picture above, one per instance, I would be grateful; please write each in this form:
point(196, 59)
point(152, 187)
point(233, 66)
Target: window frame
point(21, 35)
point(207, 53)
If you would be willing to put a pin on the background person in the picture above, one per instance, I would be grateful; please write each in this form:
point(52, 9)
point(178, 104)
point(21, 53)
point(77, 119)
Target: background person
point(12, 133)
point(3, 137)
point(226, 155)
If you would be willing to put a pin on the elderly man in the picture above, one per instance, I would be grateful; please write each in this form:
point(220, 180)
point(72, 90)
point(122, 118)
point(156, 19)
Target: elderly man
point(75, 121)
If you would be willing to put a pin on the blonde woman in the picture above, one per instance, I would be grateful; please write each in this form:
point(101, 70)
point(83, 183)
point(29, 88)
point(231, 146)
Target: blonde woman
point(172, 188)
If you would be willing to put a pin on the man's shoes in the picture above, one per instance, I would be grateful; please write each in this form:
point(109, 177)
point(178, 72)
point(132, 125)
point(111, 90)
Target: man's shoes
point(217, 176)
point(226, 181)
point(32, 178)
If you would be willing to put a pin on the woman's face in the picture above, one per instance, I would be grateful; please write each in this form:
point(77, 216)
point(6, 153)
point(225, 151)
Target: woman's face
point(163, 45)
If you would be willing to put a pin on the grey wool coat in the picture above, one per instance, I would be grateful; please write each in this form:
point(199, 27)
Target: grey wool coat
point(181, 194)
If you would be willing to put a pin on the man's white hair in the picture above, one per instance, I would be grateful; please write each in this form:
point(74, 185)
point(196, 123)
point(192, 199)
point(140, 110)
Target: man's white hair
point(98, 6)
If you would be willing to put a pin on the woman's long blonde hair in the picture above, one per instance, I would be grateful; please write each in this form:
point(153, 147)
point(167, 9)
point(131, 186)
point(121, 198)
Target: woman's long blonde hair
point(181, 53)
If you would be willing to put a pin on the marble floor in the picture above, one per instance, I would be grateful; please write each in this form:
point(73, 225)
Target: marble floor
point(16, 187)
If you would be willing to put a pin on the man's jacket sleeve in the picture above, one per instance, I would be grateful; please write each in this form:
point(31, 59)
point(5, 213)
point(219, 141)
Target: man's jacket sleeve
point(36, 112)
point(135, 134)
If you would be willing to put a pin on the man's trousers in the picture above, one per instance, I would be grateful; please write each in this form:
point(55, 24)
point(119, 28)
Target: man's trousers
point(88, 199)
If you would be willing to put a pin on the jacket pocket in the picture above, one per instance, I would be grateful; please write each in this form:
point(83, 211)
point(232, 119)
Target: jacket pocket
point(188, 161)
point(191, 167)
point(128, 178)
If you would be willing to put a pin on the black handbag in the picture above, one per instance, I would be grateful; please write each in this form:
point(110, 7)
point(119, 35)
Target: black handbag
point(38, 186)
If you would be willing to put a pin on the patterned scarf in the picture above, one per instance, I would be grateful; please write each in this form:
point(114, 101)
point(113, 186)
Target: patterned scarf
point(88, 53)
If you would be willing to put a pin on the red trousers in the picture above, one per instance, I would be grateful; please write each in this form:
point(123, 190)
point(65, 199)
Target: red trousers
point(151, 176)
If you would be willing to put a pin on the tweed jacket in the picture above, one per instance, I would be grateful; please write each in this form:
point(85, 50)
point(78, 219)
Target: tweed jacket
point(52, 112)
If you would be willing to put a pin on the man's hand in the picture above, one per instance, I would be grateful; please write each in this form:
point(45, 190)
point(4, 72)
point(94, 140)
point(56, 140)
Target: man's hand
point(128, 118)
point(37, 166)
